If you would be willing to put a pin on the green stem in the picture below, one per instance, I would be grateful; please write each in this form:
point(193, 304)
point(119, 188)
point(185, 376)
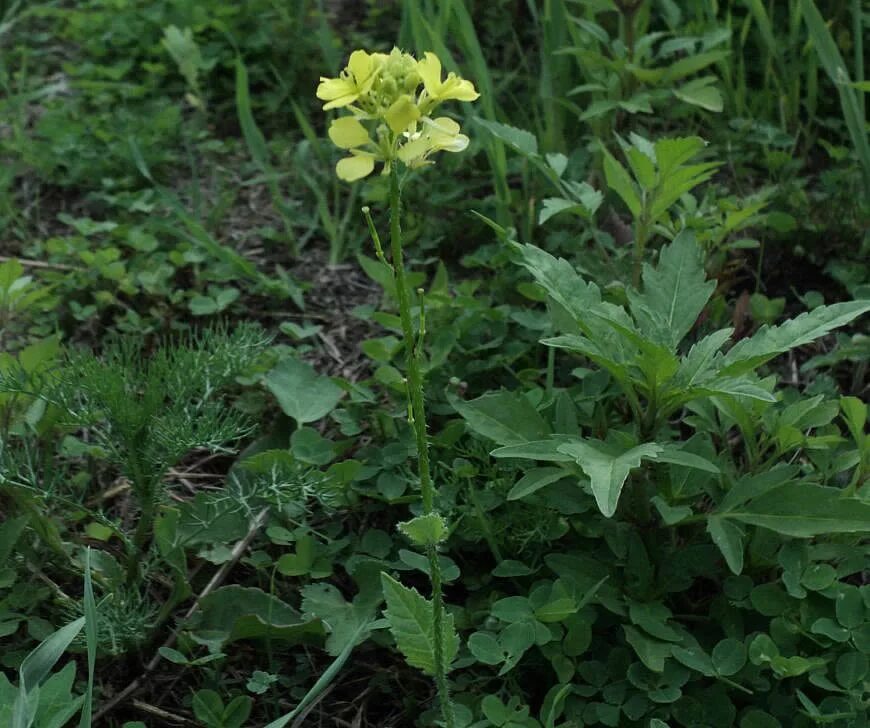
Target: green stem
point(641, 236)
point(418, 421)
point(412, 354)
point(140, 539)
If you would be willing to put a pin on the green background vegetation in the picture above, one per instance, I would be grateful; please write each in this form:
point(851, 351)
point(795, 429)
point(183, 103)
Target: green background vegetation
point(644, 356)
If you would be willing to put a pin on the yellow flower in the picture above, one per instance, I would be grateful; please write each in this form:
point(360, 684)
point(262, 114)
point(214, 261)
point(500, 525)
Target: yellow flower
point(390, 115)
point(354, 81)
point(403, 113)
point(452, 87)
point(441, 134)
point(347, 133)
point(360, 164)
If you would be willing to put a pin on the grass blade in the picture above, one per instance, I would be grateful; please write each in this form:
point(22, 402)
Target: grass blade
point(90, 605)
point(835, 68)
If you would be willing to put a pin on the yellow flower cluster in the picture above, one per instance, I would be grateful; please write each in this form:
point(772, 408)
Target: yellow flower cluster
point(390, 114)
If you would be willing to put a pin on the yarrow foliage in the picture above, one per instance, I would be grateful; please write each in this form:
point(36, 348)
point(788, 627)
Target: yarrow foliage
point(391, 99)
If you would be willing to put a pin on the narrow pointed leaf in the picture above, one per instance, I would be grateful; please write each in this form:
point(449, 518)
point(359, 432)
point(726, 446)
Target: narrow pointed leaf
point(770, 341)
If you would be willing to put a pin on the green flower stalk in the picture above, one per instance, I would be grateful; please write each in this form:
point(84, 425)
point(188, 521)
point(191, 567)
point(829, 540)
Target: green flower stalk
point(391, 99)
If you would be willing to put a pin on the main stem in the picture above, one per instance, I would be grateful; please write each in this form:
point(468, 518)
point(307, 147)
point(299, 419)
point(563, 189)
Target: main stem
point(418, 421)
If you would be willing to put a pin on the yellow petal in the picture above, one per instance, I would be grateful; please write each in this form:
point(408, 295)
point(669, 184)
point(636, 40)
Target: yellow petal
point(462, 90)
point(347, 133)
point(430, 71)
point(458, 143)
point(414, 150)
point(402, 114)
point(333, 88)
point(356, 167)
point(360, 65)
point(443, 125)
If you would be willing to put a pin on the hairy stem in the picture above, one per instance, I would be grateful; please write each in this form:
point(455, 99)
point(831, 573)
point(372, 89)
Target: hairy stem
point(418, 421)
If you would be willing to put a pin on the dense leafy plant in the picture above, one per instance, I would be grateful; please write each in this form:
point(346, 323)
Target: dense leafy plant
point(657, 517)
point(677, 502)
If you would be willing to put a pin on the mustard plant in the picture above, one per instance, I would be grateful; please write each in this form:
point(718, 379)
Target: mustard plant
point(391, 99)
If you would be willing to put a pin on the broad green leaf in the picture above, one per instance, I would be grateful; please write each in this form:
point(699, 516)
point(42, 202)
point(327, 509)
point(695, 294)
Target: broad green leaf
point(236, 613)
point(769, 341)
point(559, 279)
point(674, 455)
point(520, 140)
point(513, 609)
point(555, 205)
point(426, 530)
point(10, 531)
point(507, 647)
point(607, 469)
point(673, 152)
point(34, 670)
point(534, 480)
point(36, 666)
point(696, 366)
point(302, 393)
point(701, 92)
point(692, 64)
point(854, 412)
point(237, 712)
point(56, 701)
point(508, 418)
point(695, 659)
point(510, 568)
point(620, 182)
point(410, 618)
point(804, 511)
point(208, 707)
point(727, 386)
point(729, 657)
point(556, 611)
point(651, 652)
point(729, 538)
point(675, 292)
point(671, 515)
point(545, 450)
point(652, 618)
point(677, 183)
point(851, 669)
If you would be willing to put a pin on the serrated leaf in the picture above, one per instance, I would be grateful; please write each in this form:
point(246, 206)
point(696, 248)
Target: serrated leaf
point(554, 205)
point(620, 182)
point(675, 292)
point(410, 618)
point(559, 278)
point(769, 341)
point(520, 140)
point(427, 530)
